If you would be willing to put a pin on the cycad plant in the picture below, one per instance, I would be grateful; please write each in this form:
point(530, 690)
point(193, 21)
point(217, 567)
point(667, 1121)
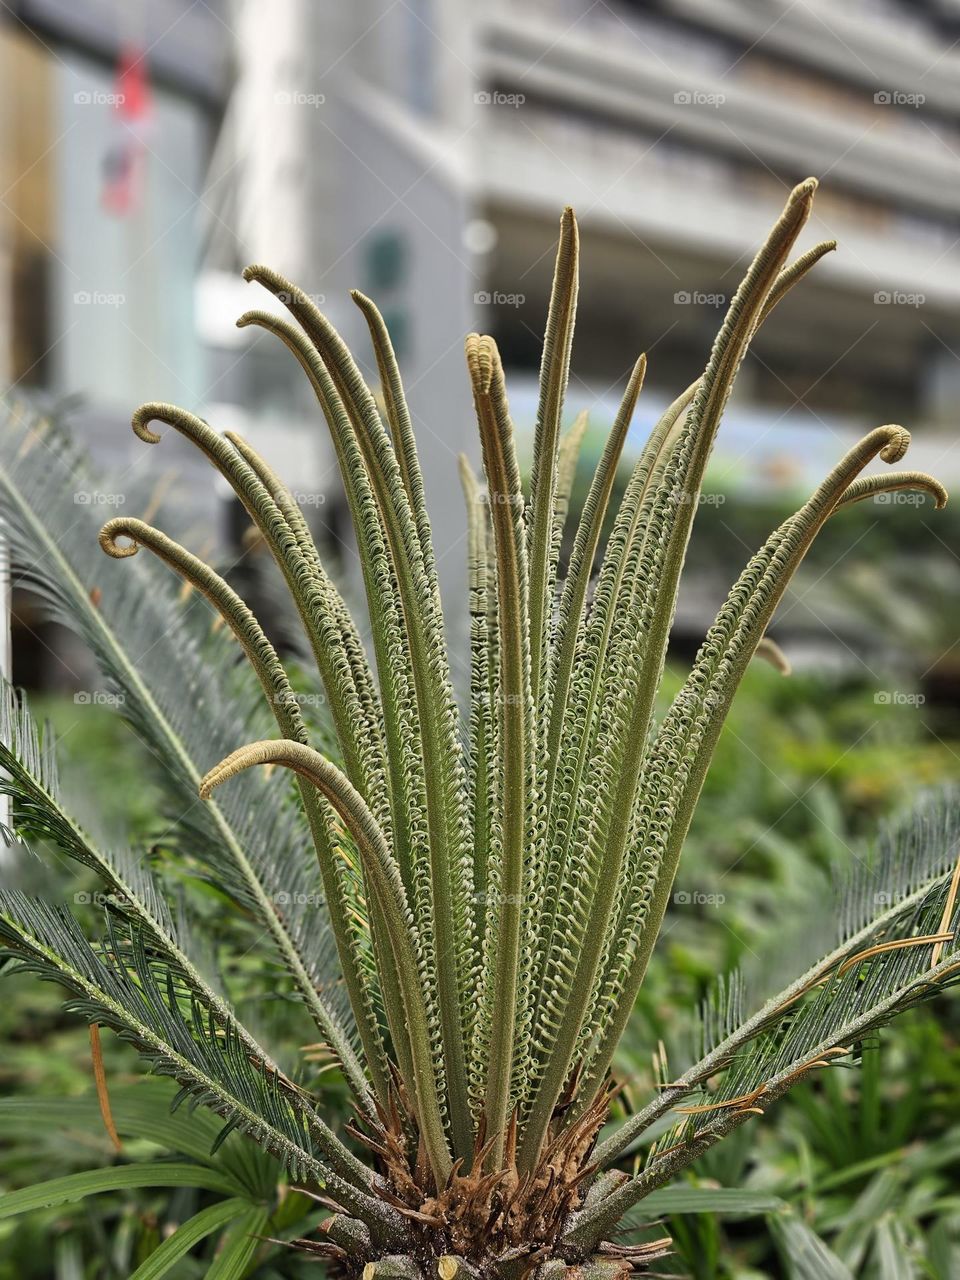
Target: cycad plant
point(491, 892)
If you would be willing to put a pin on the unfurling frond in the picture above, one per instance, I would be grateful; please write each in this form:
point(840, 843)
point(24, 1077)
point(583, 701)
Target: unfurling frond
point(492, 891)
point(382, 876)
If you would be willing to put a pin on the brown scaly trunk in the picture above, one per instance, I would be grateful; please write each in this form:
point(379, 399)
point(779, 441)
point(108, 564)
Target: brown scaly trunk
point(483, 1223)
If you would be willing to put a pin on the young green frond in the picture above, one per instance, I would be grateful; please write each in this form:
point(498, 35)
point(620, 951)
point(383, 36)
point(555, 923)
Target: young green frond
point(492, 891)
point(382, 877)
point(515, 736)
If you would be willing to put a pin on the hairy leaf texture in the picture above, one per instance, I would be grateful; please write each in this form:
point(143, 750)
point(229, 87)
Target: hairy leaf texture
point(493, 884)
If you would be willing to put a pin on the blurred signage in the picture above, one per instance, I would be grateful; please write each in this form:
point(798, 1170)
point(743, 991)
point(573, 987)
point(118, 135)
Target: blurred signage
point(125, 160)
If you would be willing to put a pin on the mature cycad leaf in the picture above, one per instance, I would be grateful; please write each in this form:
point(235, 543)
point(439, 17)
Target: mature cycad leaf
point(915, 858)
point(905, 953)
point(40, 812)
point(30, 778)
point(186, 700)
point(860, 996)
point(146, 1001)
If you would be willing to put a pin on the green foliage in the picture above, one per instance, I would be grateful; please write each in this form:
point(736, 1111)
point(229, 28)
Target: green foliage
point(491, 901)
point(236, 1182)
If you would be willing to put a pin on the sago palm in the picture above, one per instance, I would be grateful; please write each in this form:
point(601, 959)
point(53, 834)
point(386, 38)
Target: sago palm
point(492, 892)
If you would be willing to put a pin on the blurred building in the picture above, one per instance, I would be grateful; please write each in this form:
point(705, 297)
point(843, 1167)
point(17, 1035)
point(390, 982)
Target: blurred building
point(108, 114)
point(676, 129)
point(342, 177)
point(422, 151)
